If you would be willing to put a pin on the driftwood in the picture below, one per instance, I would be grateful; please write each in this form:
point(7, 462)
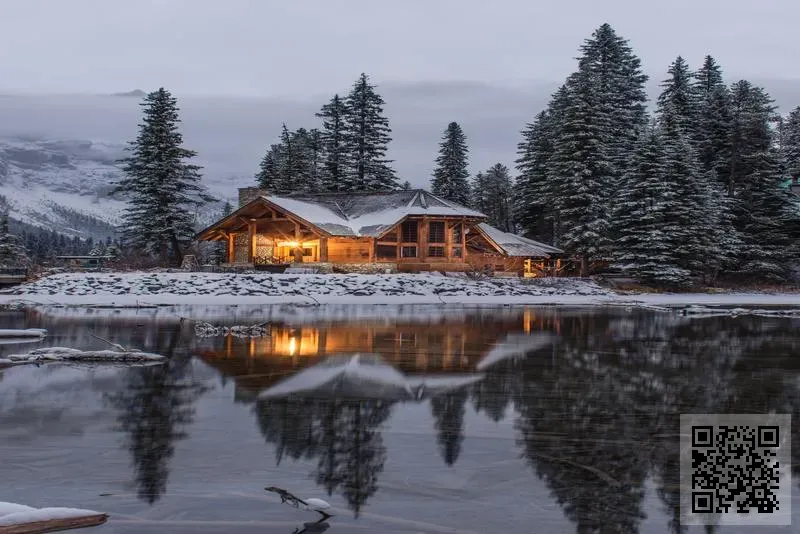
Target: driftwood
point(54, 525)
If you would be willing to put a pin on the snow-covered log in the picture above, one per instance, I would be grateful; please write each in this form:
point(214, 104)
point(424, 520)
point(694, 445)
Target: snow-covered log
point(22, 332)
point(64, 354)
point(21, 519)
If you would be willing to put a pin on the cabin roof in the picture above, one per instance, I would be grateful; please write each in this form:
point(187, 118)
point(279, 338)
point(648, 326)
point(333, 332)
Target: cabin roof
point(367, 214)
point(517, 246)
point(359, 214)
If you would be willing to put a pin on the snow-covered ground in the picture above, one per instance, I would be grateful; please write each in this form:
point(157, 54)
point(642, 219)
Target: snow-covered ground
point(125, 289)
point(163, 288)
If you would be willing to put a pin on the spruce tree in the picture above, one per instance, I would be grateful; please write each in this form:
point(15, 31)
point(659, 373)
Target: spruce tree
point(536, 204)
point(13, 254)
point(492, 196)
point(766, 216)
point(644, 246)
point(712, 129)
point(333, 115)
point(270, 171)
point(163, 189)
point(366, 139)
point(619, 91)
point(450, 178)
point(790, 146)
point(679, 96)
point(583, 173)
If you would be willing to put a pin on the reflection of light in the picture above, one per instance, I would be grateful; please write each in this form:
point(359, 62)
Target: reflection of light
point(293, 244)
point(292, 346)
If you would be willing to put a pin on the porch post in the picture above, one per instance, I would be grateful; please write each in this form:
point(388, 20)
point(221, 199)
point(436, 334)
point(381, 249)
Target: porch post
point(251, 241)
point(422, 238)
point(448, 239)
point(298, 251)
point(323, 249)
point(231, 247)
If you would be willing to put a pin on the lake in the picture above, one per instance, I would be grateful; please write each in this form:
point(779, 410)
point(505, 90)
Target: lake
point(514, 419)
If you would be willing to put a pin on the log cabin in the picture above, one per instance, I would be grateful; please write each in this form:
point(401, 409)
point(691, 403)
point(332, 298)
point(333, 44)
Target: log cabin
point(396, 231)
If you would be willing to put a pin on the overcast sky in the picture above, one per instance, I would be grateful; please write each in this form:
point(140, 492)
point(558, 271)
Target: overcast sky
point(308, 47)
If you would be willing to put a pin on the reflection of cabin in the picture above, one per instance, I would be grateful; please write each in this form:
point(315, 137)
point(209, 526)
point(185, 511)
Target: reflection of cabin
point(794, 186)
point(13, 275)
point(85, 263)
point(410, 230)
point(422, 347)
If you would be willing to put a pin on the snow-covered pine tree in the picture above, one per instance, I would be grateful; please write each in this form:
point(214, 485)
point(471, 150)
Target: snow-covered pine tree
point(302, 172)
point(270, 171)
point(451, 177)
point(492, 196)
point(13, 254)
point(790, 146)
point(536, 203)
point(766, 216)
point(163, 189)
point(316, 159)
point(680, 97)
point(335, 155)
point(620, 94)
point(644, 247)
point(367, 136)
point(477, 192)
point(583, 172)
point(712, 127)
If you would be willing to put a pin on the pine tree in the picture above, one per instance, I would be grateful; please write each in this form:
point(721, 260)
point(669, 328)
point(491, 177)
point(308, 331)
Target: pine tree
point(163, 189)
point(270, 171)
point(712, 129)
point(367, 136)
point(680, 97)
point(12, 248)
point(582, 165)
point(644, 246)
point(492, 196)
point(691, 224)
point(451, 177)
point(790, 146)
point(334, 149)
point(765, 215)
point(619, 91)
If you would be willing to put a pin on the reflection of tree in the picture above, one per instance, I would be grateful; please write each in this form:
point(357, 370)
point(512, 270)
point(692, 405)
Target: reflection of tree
point(448, 413)
point(344, 436)
point(492, 395)
point(155, 405)
point(606, 412)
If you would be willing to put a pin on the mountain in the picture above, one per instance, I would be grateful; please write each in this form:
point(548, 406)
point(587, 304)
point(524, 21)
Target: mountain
point(58, 152)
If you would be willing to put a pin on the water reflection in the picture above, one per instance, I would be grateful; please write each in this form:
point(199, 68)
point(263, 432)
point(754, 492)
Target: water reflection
point(594, 410)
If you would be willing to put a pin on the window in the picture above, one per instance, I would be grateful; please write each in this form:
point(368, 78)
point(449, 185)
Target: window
point(408, 252)
point(436, 232)
point(409, 229)
point(386, 252)
point(457, 233)
point(436, 251)
point(308, 252)
point(457, 252)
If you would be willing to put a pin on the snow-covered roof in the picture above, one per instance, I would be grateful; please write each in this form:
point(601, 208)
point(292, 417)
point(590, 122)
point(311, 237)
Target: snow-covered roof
point(516, 245)
point(367, 214)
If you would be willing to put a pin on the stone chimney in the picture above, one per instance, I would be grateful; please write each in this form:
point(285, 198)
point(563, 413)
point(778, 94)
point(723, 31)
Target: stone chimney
point(247, 194)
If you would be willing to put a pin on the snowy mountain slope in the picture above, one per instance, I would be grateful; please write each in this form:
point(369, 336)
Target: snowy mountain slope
point(61, 185)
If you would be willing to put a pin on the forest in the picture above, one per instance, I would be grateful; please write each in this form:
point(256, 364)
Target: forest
point(689, 189)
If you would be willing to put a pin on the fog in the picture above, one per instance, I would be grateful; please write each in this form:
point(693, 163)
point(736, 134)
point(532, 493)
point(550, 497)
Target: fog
point(231, 134)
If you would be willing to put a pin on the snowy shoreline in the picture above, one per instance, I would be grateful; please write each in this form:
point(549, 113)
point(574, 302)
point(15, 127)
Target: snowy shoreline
point(141, 289)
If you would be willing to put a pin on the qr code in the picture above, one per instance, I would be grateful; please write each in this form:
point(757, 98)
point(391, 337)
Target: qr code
point(735, 469)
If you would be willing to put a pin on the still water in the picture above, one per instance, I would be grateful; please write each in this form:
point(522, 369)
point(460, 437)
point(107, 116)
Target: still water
point(509, 420)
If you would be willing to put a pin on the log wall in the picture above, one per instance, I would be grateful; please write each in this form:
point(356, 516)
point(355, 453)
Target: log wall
point(345, 250)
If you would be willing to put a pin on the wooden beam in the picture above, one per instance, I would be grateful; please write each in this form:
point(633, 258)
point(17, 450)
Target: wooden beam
point(251, 241)
point(231, 247)
point(448, 239)
point(298, 251)
point(371, 250)
point(323, 249)
point(422, 238)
